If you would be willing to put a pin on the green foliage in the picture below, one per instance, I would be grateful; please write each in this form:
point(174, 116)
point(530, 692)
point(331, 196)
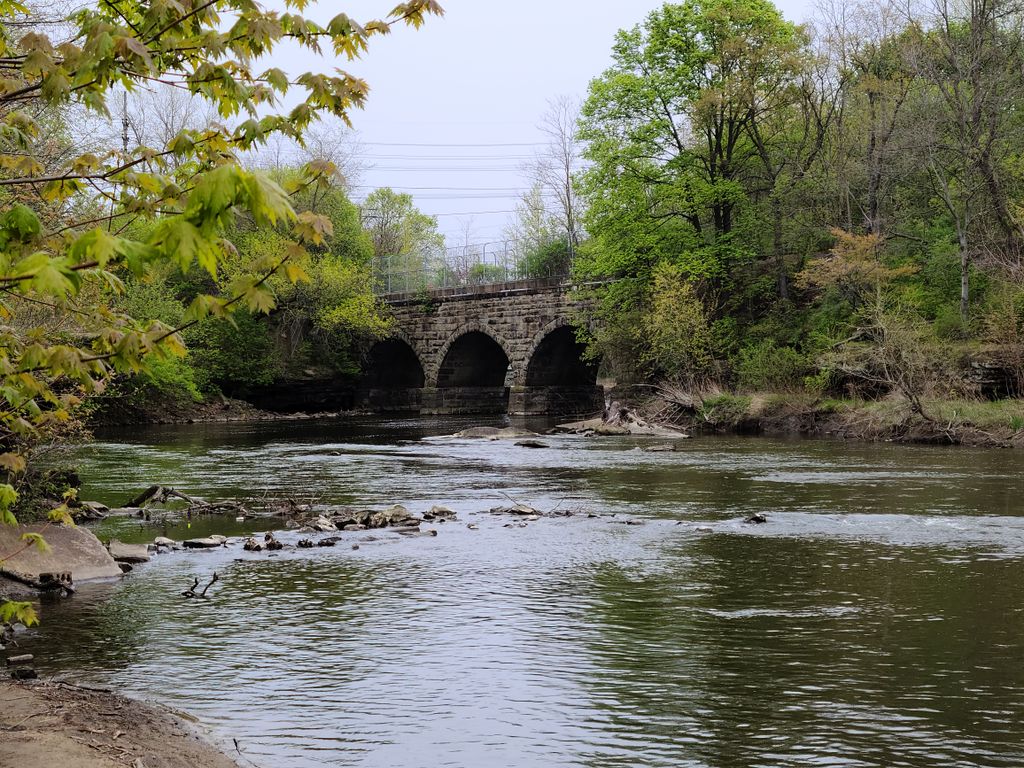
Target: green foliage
point(485, 273)
point(406, 243)
point(677, 329)
point(766, 367)
point(815, 210)
point(16, 612)
point(552, 258)
point(233, 356)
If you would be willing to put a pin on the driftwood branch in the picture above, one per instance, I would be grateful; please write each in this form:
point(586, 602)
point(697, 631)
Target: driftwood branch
point(158, 494)
point(191, 591)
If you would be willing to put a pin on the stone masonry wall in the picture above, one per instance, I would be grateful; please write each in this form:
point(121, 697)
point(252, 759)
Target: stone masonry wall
point(516, 315)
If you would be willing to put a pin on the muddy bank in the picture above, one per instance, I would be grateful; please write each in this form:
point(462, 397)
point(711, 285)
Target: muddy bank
point(48, 724)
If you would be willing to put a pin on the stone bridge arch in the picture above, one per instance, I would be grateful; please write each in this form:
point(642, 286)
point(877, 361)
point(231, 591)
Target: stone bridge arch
point(471, 371)
point(457, 334)
point(474, 326)
point(393, 376)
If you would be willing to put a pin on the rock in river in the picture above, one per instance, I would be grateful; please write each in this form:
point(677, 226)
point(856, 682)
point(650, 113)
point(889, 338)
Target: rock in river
point(128, 553)
point(531, 444)
point(439, 513)
point(209, 542)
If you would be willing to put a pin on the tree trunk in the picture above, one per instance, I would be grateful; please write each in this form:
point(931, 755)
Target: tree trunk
point(780, 259)
point(965, 275)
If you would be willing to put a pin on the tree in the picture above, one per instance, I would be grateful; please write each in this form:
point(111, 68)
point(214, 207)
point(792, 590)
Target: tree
point(970, 55)
point(675, 132)
point(64, 239)
point(406, 243)
point(555, 166)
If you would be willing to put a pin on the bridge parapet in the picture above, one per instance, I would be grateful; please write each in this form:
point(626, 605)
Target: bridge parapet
point(471, 292)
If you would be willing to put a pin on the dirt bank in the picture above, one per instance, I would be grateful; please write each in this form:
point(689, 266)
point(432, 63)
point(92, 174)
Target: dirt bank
point(54, 725)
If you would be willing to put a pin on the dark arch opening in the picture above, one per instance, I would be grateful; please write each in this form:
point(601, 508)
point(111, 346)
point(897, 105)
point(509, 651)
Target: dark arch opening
point(473, 360)
point(558, 362)
point(392, 364)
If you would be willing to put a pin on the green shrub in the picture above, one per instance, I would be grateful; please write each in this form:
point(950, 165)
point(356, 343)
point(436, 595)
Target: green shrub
point(765, 366)
point(486, 273)
point(949, 325)
point(233, 357)
point(549, 260)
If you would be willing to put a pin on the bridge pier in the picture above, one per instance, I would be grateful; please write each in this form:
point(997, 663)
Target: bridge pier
point(464, 400)
point(556, 400)
point(392, 400)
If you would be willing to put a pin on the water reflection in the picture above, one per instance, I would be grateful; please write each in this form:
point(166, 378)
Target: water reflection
point(874, 621)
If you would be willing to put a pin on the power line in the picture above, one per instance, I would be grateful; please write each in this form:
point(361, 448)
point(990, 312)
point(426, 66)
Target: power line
point(518, 190)
point(469, 213)
point(410, 144)
point(446, 157)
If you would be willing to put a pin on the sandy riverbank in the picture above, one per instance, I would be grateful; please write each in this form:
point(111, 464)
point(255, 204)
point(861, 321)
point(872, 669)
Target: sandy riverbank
point(54, 725)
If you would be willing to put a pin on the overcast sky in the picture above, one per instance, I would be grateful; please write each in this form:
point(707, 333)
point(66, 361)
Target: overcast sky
point(478, 77)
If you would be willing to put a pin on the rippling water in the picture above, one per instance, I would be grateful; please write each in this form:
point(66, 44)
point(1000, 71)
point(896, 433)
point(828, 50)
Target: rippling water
point(876, 620)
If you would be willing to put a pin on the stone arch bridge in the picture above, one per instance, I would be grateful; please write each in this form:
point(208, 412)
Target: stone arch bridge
point(503, 348)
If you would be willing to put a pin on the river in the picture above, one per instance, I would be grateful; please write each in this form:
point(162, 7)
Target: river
point(877, 619)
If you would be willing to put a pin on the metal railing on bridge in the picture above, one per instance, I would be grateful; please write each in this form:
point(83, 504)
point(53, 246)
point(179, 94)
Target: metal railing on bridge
point(468, 266)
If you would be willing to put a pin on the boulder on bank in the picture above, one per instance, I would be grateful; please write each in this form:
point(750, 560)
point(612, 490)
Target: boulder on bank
point(128, 553)
point(70, 550)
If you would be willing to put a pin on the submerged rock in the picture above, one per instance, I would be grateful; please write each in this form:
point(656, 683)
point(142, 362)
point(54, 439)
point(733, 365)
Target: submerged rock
point(532, 444)
point(756, 519)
